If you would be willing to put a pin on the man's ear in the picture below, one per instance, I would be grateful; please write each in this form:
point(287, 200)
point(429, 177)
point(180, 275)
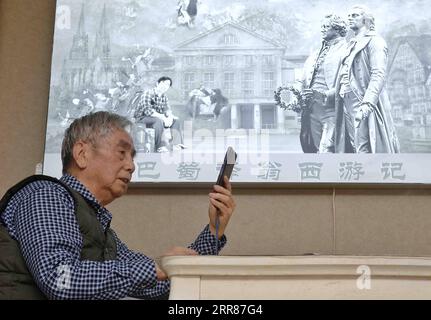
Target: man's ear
point(80, 154)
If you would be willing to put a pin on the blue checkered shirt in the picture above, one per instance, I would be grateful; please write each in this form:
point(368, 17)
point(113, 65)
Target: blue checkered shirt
point(42, 219)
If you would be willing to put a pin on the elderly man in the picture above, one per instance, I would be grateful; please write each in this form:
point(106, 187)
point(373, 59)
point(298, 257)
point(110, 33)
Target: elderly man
point(55, 235)
point(363, 110)
point(317, 87)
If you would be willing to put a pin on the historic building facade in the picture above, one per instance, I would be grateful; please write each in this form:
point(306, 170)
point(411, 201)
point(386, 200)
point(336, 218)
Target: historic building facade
point(246, 66)
point(409, 87)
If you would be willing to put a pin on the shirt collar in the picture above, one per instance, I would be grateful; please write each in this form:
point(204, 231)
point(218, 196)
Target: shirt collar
point(155, 93)
point(367, 33)
point(332, 41)
point(75, 184)
point(103, 214)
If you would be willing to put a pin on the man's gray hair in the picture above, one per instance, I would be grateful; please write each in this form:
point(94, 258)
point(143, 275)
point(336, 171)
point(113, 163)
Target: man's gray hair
point(337, 23)
point(90, 128)
point(368, 16)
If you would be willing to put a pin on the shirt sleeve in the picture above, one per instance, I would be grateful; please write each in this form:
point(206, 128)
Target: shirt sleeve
point(205, 243)
point(160, 290)
point(51, 244)
point(166, 106)
point(145, 106)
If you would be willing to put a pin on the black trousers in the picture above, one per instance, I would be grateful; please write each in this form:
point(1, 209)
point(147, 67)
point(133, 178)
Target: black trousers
point(157, 125)
point(177, 137)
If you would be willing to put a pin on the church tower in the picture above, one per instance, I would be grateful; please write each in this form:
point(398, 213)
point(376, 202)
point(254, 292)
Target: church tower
point(102, 46)
point(80, 40)
point(75, 68)
point(102, 63)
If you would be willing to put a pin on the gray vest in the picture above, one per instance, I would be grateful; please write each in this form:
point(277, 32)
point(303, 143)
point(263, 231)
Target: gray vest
point(16, 282)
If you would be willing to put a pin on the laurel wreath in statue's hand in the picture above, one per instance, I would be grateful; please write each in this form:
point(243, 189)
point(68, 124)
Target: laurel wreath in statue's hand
point(297, 106)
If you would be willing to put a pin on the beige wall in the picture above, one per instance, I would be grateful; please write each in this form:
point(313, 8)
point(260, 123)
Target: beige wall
point(281, 221)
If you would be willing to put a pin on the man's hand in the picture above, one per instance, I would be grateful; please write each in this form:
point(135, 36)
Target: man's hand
point(174, 251)
point(180, 251)
point(158, 115)
point(363, 112)
point(307, 95)
point(221, 204)
point(310, 95)
point(161, 275)
point(168, 121)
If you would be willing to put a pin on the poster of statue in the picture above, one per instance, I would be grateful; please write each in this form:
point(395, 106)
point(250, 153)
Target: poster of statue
point(305, 91)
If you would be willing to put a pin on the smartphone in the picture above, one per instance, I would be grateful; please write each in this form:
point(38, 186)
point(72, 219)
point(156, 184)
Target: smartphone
point(227, 166)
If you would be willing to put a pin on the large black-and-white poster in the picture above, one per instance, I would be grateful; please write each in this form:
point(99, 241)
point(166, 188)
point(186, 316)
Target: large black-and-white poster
point(304, 91)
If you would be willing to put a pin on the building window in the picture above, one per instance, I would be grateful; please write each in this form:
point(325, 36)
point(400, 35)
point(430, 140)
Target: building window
point(411, 92)
point(229, 82)
point(416, 108)
point(230, 38)
point(418, 75)
point(188, 60)
point(268, 60)
point(228, 60)
point(410, 77)
point(397, 114)
point(209, 80)
point(268, 117)
point(421, 92)
point(209, 60)
point(248, 83)
point(189, 83)
point(249, 60)
point(268, 83)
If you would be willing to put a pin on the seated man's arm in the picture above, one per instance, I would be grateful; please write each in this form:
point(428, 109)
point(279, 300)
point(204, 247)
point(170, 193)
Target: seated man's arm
point(205, 243)
point(144, 108)
point(221, 205)
point(161, 290)
point(51, 243)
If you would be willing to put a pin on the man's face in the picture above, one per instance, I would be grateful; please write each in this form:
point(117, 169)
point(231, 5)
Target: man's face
point(110, 166)
point(328, 32)
point(163, 86)
point(355, 19)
